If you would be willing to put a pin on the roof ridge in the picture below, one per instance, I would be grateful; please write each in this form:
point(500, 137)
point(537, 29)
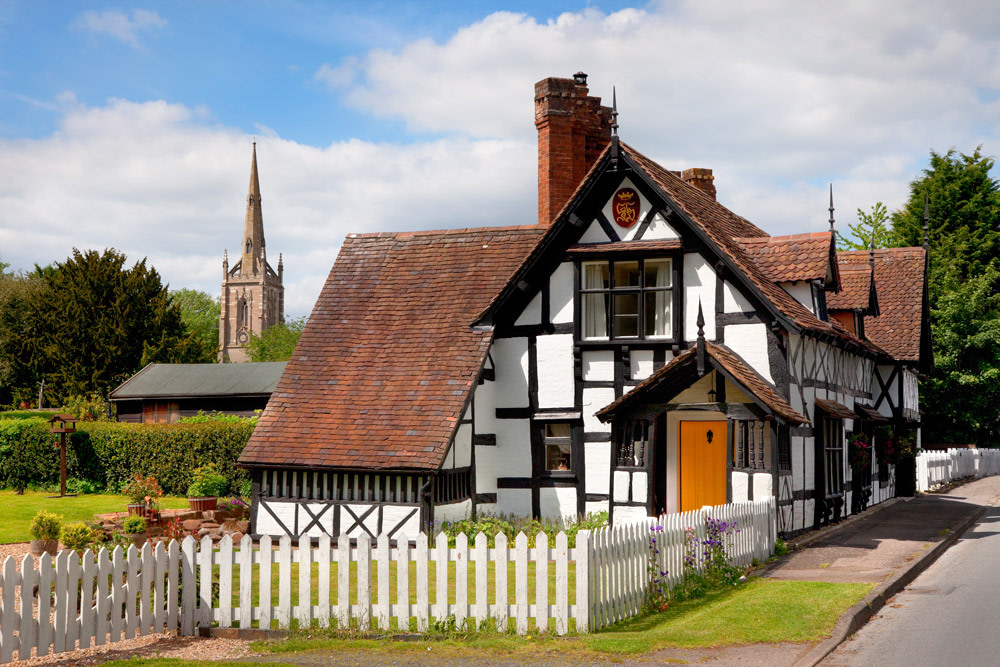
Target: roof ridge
point(443, 232)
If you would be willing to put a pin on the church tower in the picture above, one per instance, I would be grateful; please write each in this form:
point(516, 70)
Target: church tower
point(253, 297)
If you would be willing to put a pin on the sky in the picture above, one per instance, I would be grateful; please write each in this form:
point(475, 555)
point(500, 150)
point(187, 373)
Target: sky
point(129, 125)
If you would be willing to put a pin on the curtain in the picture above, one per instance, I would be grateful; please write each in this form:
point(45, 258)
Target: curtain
point(662, 320)
point(595, 323)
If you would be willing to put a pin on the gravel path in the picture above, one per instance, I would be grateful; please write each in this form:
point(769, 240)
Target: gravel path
point(16, 549)
point(152, 646)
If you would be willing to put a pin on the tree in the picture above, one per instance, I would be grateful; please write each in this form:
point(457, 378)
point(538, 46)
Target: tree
point(200, 314)
point(277, 342)
point(100, 322)
point(18, 323)
point(870, 226)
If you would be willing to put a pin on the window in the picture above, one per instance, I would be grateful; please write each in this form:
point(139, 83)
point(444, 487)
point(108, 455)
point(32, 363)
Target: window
point(558, 448)
point(627, 299)
point(833, 455)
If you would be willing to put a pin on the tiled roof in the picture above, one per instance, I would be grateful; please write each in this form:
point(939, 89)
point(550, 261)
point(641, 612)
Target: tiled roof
point(899, 279)
point(794, 257)
point(383, 369)
point(186, 380)
point(855, 288)
point(683, 363)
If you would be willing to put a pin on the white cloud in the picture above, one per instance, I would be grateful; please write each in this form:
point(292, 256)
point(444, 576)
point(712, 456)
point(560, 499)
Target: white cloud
point(154, 180)
point(117, 24)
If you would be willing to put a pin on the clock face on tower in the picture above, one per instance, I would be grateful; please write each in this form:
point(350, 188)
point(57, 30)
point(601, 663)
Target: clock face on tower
point(242, 338)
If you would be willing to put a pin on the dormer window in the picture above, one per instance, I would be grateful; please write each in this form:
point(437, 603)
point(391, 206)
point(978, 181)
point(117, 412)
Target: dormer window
point(627, 299)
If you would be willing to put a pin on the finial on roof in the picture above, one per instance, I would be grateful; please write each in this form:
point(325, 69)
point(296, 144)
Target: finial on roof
point(871, 254)
point(614, 111)
point(927, 221)
point(831, 207)
point(700, 344)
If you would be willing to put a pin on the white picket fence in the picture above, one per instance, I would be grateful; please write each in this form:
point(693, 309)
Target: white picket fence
point(400, 586)
point(937, 468)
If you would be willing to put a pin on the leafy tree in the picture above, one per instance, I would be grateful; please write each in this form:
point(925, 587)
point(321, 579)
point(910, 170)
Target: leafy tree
point(276, 343)
point(200, 313)
point(870, 226)
point(964, 207)
point(18, 325)
point(962, 394)
point(100, 322)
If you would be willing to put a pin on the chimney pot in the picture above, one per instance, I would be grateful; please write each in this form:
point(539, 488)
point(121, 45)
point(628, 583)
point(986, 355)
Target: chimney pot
point(580, 79)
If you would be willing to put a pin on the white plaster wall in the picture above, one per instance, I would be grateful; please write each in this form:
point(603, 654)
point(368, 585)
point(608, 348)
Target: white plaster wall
point(640, 483)
point(561, 294)
point(597, 460)
point(392, 515)
point(557, 502)
point(798, 462)
point(801, 291)
point(594, 234)
point(733, 300)
point(484, 415)
point(555, 371)
point(593, 507)
point(492, 509)
point(740, 487)
point(514, 501)
point(749, 341)
point(532, 313)
point(627, 234)
point(511, 357)
point(595, 398)
point(885, 409)
point(699, 284)
point(911, 391)
point(641, 364)
point(762, 486)
point(266, 525)
point(513, 456)
point(659, 229)
point(696, 393)
point(621, 483)
point(486, 469)
point(452, 511)
point(626, 514)
point(463, 446)
point(598, 365)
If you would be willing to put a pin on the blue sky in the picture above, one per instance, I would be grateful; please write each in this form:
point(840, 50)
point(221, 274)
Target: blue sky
point(128, 125)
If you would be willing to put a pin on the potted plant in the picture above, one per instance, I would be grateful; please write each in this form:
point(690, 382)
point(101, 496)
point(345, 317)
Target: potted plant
point(143, 493)
point(859, 452)
point(77, 536)
point(204, 491)
point(44, 530)
point(135, 528)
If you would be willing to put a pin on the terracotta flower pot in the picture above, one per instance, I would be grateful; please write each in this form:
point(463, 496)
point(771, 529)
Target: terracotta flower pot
point(38, 547)
point(202, 504)
point(136, 509)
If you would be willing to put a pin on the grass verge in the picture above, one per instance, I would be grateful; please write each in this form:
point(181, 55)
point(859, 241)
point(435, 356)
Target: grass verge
point(17, 511)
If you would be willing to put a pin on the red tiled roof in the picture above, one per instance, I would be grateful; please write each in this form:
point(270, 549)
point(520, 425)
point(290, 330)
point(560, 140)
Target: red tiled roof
point(730, 362)
point(794, 257)
point(899, 280)
point(383, 369)
point(855, 288)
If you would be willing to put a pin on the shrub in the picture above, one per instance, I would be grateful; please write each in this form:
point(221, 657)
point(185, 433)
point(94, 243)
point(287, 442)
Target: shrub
point(45, 526)
point(207, 483)
point(77, 536)
point(510, 526)
point(91, 408)
point(27, 414)
point(134, 525)
point(217, 417)
point(143, 489)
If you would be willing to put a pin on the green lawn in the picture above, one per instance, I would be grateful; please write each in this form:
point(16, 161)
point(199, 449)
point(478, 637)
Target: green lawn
point(17, 511)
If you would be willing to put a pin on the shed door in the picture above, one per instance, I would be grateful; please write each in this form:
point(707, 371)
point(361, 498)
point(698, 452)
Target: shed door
point(702, 448)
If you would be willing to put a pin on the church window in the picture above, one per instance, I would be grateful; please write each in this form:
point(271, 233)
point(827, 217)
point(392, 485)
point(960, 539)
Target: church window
point(242, 314)
point(630, 299)
point(249, 245)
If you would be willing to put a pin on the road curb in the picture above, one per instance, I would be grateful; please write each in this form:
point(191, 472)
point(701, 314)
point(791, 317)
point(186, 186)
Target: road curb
point(854, 618)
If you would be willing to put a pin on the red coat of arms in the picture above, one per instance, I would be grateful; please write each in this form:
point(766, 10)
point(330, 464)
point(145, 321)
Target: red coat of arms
point(625, 207)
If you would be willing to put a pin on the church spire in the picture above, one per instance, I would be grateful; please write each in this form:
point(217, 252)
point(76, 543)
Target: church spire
point(253, 225)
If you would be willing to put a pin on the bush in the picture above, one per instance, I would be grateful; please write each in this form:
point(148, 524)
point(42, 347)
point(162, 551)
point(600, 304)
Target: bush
point(207, 483)
point(45, 526)
point(77, 536)
point(109, 454)
point(92, 408)
point(143, 489)
point(27, 414)
point(491, 525)
point(134, 525)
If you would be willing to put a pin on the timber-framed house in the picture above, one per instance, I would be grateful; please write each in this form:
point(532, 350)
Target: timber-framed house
point(642, 349)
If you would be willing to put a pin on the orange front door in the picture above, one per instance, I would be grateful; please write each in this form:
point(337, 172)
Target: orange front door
point(702, 447)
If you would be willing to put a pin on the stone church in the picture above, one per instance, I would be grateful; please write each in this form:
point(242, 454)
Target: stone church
point(253, 296)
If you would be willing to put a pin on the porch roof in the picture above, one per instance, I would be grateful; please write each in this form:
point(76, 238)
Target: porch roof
point(684, 368)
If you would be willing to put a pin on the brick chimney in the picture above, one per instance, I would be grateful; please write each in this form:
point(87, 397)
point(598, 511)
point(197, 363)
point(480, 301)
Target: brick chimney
point(701, 179)
point(573, 129)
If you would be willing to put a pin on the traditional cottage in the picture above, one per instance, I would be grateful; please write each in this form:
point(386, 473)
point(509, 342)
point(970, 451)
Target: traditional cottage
point(642, 349)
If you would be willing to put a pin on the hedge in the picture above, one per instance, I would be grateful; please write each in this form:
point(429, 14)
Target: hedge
point(110, 453)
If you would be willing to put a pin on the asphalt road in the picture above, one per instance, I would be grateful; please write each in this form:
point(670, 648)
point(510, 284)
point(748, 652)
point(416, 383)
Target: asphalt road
point(947, 616)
